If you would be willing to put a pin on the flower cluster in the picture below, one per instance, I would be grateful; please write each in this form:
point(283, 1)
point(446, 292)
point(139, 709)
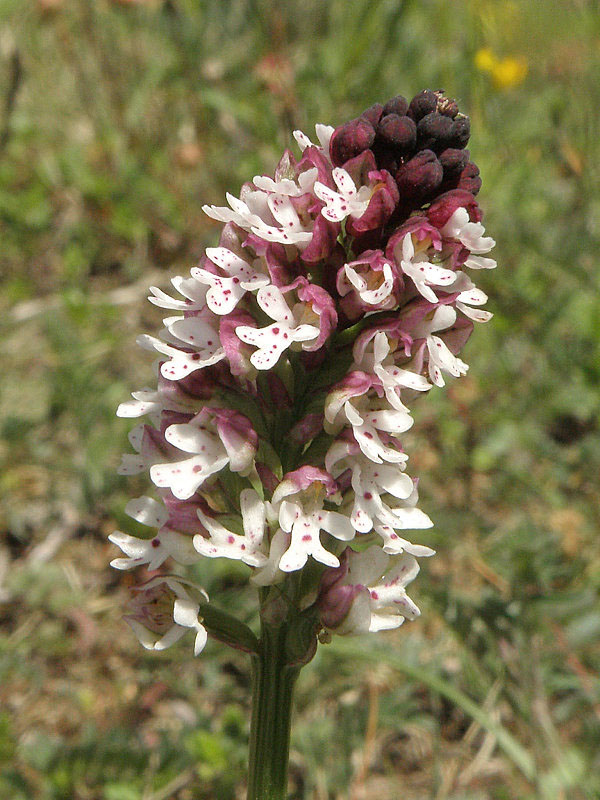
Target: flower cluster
point(339, 292)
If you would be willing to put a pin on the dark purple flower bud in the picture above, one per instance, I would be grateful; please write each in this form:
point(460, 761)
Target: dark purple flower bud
point(453, 161)
point(422, 104)
point(460, 133)
point(440, 211)
point(469, 179)
point(350, 140)
point(397, 105)
point(419, 177)
point(397, 132)
point(434, 132)
point(386, 157)
point(373, 114)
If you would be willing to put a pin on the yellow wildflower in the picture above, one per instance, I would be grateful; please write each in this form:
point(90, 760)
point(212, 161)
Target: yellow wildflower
point(485, 60)
point(509, 72)
point(506, 72)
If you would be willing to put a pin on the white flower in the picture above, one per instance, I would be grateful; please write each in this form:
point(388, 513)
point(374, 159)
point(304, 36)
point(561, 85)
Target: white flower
point(324, 133)
point(305, 525)
point(378, 584)
point(291, 230)
point(133, 464)
point(183, 478)
point(164, 610)
point(367, 423)
point(146, 401)
point(441, 359)
point(394, 378)
point(347, 201)
point(194, 293)
point(194, 333)
point(149, 402)
point(257, 213)
point(245, 214)
point(374, 287)
point(224, 543)
point(389, 603)
point(285, 186)
point(270, 573)
point(421, 272)
point(469, 295)
point(274, 339)
point(154, 551)
point(394, 544)
point(470, 234)
point(371, 483)
point(226, 292)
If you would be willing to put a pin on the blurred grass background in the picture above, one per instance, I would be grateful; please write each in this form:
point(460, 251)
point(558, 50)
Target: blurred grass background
point(118, 120)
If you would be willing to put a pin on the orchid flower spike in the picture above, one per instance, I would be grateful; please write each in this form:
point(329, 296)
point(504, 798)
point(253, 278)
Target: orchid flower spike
point(339, 294)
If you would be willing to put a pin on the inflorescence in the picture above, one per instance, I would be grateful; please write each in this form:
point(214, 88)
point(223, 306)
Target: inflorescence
point(339, 293)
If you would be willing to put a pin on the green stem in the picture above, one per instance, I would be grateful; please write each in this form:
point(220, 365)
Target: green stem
point(272, 690)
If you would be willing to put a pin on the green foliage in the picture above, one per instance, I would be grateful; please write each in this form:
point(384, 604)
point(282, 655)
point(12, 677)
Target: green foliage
point(124, 119)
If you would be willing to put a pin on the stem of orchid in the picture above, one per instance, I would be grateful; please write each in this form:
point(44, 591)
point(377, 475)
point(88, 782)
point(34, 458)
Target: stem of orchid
point(272, 691)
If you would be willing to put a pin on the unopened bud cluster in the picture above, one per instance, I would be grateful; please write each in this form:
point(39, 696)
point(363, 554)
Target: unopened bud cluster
point(339, 292)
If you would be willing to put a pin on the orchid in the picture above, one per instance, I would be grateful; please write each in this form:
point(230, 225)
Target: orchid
point(163, 610)
point(339, 294)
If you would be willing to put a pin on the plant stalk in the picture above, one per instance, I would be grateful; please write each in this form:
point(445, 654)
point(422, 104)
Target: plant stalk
point(273, 682)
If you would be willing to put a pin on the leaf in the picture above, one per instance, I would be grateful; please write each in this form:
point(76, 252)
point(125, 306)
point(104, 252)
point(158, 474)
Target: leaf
point(228, 629)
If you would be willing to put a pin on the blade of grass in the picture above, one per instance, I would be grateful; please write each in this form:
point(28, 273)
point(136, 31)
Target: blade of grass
point(511, 747)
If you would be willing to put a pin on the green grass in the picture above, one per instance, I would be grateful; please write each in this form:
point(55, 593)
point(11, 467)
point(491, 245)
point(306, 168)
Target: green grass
point(119, 121)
